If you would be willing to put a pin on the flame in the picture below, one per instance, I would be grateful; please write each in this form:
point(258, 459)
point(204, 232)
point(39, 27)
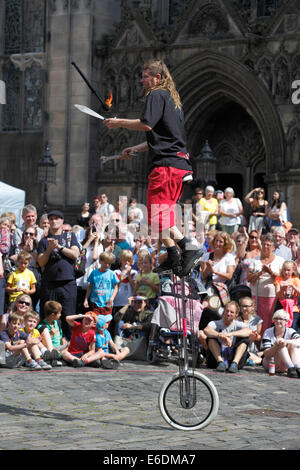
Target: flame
point(108, 100)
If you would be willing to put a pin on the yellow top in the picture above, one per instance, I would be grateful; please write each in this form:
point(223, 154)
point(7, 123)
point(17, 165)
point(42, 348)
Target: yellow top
point(210, 205)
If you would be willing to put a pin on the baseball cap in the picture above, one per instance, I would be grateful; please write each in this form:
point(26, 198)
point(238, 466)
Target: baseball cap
point(102, 319)
point(56, 213)
point(293, 230)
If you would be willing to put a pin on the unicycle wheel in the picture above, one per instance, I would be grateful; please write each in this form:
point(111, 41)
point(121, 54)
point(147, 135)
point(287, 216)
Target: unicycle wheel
point(188, 401)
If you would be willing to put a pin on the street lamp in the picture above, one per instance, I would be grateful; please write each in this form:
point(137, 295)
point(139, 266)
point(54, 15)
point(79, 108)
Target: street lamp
point(206, 166)
point(46, 173)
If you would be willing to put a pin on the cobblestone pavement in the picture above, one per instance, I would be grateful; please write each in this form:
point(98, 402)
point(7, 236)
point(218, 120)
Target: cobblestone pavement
point(98, 409)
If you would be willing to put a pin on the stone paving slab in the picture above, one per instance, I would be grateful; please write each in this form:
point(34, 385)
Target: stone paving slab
point(97, 409)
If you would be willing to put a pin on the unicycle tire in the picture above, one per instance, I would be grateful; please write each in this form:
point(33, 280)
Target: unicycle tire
point(192, 414)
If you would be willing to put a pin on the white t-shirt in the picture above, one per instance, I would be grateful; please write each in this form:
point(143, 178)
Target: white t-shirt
point(230, 207)
point(125, 290)
point(221, 266)
point(269, 337)
point(220, 326)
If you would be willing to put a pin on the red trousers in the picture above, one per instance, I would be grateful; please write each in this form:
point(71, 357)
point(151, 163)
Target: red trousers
point(164, 190)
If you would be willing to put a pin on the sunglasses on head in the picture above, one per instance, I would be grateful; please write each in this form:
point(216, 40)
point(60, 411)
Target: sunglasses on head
point(22, 302)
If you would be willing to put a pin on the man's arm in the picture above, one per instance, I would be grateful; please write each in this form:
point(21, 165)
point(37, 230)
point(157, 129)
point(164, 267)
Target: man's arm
point(131, 124)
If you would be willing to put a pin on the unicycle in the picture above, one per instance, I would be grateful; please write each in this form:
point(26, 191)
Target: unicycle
point(188, 400)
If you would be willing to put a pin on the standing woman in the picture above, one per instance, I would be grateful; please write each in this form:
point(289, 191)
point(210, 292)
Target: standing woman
point(91, 248)
point(261, 274)
point(259, 208)
point(253, 250)
point(210, 204)
point(231, 210)
point(278, 211)
point(84, 216)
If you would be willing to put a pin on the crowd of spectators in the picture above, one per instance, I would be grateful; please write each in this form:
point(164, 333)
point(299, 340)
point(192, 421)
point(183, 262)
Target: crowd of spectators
point(67, 291)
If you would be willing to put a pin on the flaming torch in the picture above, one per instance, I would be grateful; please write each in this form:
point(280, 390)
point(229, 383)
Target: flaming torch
point(108, 100)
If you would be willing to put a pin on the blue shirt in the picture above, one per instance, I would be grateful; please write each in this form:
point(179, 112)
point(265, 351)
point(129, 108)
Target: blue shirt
point(102, 341)
point(103, 284)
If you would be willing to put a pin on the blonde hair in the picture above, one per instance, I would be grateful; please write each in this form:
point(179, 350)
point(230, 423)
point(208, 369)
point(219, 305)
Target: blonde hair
point(227, 241)
point(126, 255)
point(31, 314)
point(281, 313)
point(291, 262)
point(107, 257)
point(166, 83)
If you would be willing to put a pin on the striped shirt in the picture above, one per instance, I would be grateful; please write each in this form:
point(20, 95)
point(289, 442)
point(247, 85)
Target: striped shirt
point(269, 337)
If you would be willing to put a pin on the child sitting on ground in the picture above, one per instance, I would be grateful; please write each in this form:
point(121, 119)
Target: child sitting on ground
point(31, 320)
point(51, 333)
point(105, 349)
point(21, 348)
point(21, 281)
point(103, 286)
point(82, 343)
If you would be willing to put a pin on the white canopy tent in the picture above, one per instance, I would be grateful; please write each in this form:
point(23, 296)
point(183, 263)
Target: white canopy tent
point(12, 200)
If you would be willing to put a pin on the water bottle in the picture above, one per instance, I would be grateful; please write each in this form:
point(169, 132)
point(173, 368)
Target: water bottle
point(272, 366)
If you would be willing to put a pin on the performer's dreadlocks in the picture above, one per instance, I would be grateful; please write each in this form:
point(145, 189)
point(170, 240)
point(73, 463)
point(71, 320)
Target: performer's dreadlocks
point(166, 82)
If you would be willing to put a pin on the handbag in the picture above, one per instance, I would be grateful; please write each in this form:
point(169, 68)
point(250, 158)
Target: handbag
point(79, 268)
point(137, 347)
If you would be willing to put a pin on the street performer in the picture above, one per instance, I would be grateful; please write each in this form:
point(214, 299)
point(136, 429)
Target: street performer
point(163, 122)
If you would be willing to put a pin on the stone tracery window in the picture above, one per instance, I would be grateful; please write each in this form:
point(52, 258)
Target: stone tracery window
point(266, 7)
point(22, 70)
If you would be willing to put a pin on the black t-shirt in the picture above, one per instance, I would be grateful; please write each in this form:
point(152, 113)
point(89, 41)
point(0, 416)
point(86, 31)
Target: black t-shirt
point(59, 267)
point(166, 140)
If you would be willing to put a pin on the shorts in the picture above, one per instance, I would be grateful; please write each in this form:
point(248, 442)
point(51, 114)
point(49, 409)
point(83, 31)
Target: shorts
point(101, 310)
point(212, 363)
point(13, 360)
point(164, 190)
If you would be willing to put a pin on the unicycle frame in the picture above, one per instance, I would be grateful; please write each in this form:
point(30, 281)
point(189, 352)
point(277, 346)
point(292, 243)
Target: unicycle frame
point(188, 381)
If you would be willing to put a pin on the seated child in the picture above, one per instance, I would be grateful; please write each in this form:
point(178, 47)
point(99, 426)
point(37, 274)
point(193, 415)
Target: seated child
point(82, 343)
point(51, 333)
point(102, 286)
point(31, 320)
point(21, 348)
point(21, 281)
point(105, 349)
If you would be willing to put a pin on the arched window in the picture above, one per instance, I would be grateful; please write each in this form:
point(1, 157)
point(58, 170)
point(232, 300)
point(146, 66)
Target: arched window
point(23, 55)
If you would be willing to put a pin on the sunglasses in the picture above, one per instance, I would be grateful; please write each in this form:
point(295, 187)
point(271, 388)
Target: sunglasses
point(29, 233)
point(22, 302)
point(253, 238)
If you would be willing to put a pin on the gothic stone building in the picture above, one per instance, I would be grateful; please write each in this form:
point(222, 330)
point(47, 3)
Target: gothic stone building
point(233, 61)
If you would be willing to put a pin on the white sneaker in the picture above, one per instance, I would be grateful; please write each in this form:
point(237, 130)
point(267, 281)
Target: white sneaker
point(44, 365)
point(33, 365)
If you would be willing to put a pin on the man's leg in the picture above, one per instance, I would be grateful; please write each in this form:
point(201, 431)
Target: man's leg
point(214, 359)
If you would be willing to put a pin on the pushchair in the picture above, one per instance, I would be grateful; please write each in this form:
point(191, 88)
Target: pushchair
point(165, 339)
